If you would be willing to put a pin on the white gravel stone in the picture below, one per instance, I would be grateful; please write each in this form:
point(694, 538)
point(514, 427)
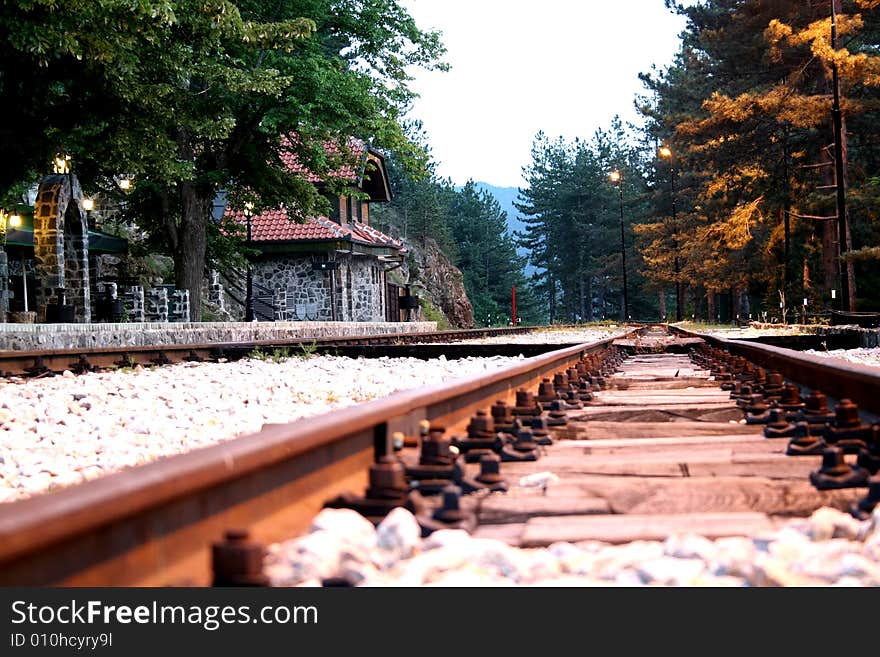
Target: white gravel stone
point(689, 546)
point(795, 555)
point(398, 536)
point(869, 356)
point(61, 430)
point(347, 526)
point(553, 336)
point(827, 523)
point(669, 571)
point(314, 556)
point(446, 538)
point(538, 480)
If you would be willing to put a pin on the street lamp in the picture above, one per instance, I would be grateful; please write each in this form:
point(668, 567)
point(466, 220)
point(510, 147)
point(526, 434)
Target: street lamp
point(61, 164)
point(666, 153)
point(249, 298)
point(89, 205)
point(617, 178)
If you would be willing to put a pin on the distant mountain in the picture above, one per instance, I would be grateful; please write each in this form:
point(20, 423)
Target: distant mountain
point(505, 197)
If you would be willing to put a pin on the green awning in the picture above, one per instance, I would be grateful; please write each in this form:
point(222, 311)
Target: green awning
point(98, 241)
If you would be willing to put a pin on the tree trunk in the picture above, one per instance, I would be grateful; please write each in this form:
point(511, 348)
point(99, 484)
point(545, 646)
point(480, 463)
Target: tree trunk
point(189, 253)
point(710, 306)
point(745, 310)
point(589, 292)
point(662, 299)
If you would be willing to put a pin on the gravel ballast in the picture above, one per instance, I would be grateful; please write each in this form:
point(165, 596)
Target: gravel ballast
point(67, 429)
point(830, 548)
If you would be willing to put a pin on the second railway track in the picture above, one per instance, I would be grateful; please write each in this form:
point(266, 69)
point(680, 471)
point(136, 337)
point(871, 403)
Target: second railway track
point(659, 450)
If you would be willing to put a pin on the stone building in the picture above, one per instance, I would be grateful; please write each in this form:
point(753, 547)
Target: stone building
point(329, 268)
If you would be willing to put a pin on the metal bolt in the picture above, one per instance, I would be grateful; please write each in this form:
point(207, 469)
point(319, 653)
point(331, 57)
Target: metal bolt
point(556, 415)
point(541, 431)
point(791, 396)
point(778, 426)
point(387, 478)
point(481, 426)
point(451, 509)
point(546, 391)
point(490, 470)
point(501, 414)
point(525, 441)
point(846, 415)
point(816, 404)
point(436, 448)
point(836, 472)
point(238, 561)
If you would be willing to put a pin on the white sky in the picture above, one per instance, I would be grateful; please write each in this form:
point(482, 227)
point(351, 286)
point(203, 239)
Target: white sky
point(562, 66)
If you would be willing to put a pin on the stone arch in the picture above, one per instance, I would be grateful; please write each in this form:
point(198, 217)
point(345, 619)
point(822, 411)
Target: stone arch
point(61, 247)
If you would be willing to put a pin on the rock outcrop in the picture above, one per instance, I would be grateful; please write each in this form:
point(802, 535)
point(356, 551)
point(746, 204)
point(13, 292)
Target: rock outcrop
point(438, 283)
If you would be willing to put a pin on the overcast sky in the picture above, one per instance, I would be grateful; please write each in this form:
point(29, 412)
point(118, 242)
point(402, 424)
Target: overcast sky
point(562, 66)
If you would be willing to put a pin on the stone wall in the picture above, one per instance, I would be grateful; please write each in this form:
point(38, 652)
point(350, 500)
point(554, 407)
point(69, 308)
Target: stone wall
point(28, 337)
point(357, 288)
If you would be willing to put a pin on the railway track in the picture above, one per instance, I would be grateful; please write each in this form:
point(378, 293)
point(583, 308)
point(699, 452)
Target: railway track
point(638, 448)
point(54, 361)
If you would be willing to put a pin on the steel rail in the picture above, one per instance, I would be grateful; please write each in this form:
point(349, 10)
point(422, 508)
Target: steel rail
point(836, 378)
point(36, 362)
point(153, 525)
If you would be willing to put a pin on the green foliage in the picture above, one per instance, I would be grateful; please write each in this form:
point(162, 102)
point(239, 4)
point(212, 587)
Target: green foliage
point(471, 229)
point(431, 314)
point(192, 97)
point(573, 224)
point(746, 108)
point(307, 351)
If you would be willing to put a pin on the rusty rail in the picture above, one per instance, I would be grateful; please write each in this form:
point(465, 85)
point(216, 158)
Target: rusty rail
point(34, 363)
point(152, 525)
point(836, 378)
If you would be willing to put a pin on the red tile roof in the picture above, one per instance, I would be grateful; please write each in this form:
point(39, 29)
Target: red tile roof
point(276, 226)
point(351, 169)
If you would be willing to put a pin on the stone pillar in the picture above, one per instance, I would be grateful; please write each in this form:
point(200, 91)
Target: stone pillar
point(156, 309)
point(136, 309)
point(180, 306)
point(215, 292)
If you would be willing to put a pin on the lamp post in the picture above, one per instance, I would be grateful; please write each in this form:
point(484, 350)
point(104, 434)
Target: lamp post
point(617, 177)
point(13, 220)
point(249, 290)
point(666, 153)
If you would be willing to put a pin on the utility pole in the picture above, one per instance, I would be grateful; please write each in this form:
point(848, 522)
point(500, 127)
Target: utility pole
point(846, 302)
